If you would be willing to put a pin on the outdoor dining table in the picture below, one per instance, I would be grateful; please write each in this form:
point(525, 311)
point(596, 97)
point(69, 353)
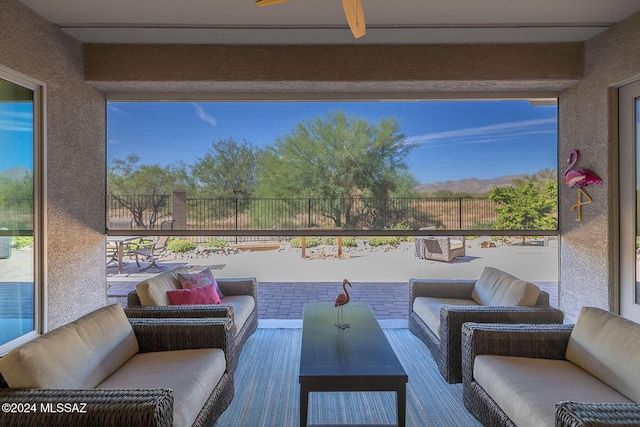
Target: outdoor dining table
point(120, 241)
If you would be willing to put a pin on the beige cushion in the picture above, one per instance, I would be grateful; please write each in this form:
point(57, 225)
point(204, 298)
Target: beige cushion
point(528, 389)
point(496, 287)
point(428, 309)
point(608, 347)
point(455, 244)
point(153, 291)
point(243, 305)
point(78, 355)
point(191, 374)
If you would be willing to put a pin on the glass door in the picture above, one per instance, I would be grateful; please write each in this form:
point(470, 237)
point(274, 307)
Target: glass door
point(629, 148)
point(20, 144)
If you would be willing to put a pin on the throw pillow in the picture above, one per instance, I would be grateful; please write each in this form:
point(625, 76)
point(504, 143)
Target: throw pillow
point(198, 295)
point(203, 278)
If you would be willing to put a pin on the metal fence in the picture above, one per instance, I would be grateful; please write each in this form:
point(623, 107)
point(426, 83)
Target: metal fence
point(16, 214)
point(463, 213)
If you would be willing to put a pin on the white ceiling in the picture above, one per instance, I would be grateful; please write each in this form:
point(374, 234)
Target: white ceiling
point(323, 21)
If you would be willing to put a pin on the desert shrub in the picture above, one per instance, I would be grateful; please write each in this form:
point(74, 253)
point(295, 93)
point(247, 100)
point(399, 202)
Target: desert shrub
point(296, 242)
point(20, 242)
point(383, 240)
point(181, 246)
point(216, 243)
point(349, 242)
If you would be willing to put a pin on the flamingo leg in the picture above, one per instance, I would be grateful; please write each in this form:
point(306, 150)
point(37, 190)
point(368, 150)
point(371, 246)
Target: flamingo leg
point(581, 202)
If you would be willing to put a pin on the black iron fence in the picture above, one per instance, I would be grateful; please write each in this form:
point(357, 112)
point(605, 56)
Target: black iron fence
point(148, 212)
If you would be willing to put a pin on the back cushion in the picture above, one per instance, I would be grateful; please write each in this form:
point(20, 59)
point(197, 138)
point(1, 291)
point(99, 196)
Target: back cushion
point(153, 291)
point(78, 355)
point(495, 287)
point(608, 347)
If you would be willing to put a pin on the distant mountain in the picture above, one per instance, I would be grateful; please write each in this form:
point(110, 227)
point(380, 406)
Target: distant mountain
point(15, 173)
point(470, 185)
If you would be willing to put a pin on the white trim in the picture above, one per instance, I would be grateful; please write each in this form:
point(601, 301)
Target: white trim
point(39, 194)
point(628, 305)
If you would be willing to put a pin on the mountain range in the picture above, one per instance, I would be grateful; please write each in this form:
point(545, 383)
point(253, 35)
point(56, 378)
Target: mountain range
point(469, 185)
point(15, 173)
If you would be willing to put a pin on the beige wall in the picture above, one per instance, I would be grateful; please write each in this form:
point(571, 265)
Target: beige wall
point(75, 164)
point(588, 122)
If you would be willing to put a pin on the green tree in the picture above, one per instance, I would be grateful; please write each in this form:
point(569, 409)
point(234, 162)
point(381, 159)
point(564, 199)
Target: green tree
point(144, 190)
point(527, 205)
point(229, 169)
point(338, 158)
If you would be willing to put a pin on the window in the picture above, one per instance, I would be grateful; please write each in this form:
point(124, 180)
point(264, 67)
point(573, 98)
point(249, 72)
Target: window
point(20, 217)
point(226, 176)
point(241, 167)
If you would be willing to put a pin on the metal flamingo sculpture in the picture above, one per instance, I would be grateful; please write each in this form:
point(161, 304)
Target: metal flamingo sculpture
point(340, 302)
point(578, 178)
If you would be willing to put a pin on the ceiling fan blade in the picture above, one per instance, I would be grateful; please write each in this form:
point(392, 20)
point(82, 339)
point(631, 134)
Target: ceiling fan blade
point(268, 2)
point(355, 17)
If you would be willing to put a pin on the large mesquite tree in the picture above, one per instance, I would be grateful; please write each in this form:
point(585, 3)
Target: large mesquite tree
point(337, 158)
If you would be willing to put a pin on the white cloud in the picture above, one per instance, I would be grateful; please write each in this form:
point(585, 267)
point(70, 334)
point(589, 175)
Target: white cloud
point(16, 121)
point(202, 115)
point(490, 132)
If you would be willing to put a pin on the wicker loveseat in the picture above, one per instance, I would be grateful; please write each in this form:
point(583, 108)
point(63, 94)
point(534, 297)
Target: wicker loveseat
point(239, 303)
point(438, 308)
point(106, 370)
point(546, 375)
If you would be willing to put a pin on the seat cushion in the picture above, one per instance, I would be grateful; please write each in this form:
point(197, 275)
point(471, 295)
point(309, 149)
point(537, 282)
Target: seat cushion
point(527, 389)
point(607, 346)
point(191, 374)
point(243, 305)
point(153, 291)
point(428, 309)
point(496, 287)
point(77, 355)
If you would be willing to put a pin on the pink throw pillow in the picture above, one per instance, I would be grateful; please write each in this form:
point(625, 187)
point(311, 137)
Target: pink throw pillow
point(198, 295)
point(203, 278)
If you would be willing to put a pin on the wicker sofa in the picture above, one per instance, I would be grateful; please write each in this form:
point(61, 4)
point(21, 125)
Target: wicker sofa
point(106, 370)
point(438, 308)
point(546, 375)
point(239, 303)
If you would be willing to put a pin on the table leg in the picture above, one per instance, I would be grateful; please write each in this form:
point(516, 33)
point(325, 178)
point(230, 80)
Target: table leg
point(304, 405)
point(120, 250)
point(401, 401)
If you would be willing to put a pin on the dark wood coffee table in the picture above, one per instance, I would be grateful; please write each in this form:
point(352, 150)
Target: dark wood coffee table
point(358, 358)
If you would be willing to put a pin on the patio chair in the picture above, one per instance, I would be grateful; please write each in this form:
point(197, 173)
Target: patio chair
point(151, 251)
point(440, 248)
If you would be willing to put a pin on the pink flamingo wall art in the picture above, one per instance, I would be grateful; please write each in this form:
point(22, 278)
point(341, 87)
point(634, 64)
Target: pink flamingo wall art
point(341, 301)
point(579, 178)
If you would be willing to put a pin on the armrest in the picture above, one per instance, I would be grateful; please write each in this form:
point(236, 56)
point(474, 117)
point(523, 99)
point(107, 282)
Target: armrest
point(178, 311)
point(86, 408)
point(573, 414)
point(239, 286)
point(440, 288)
point(547, 341)
point(182, 334)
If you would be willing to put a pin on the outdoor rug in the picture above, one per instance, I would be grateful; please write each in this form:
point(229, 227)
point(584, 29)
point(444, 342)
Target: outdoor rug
point(267, 391)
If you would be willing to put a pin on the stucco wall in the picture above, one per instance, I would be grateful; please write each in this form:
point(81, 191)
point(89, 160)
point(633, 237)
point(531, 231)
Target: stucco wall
point(75, 160)
point(588, 122)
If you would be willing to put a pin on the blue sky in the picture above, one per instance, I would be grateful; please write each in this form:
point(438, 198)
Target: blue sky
point(454, 139)
point(16, 135)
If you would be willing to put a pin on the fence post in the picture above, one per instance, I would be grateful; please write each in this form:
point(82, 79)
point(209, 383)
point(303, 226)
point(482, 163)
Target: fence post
point(460, 213)
point(179, 209)
point(309, 213)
